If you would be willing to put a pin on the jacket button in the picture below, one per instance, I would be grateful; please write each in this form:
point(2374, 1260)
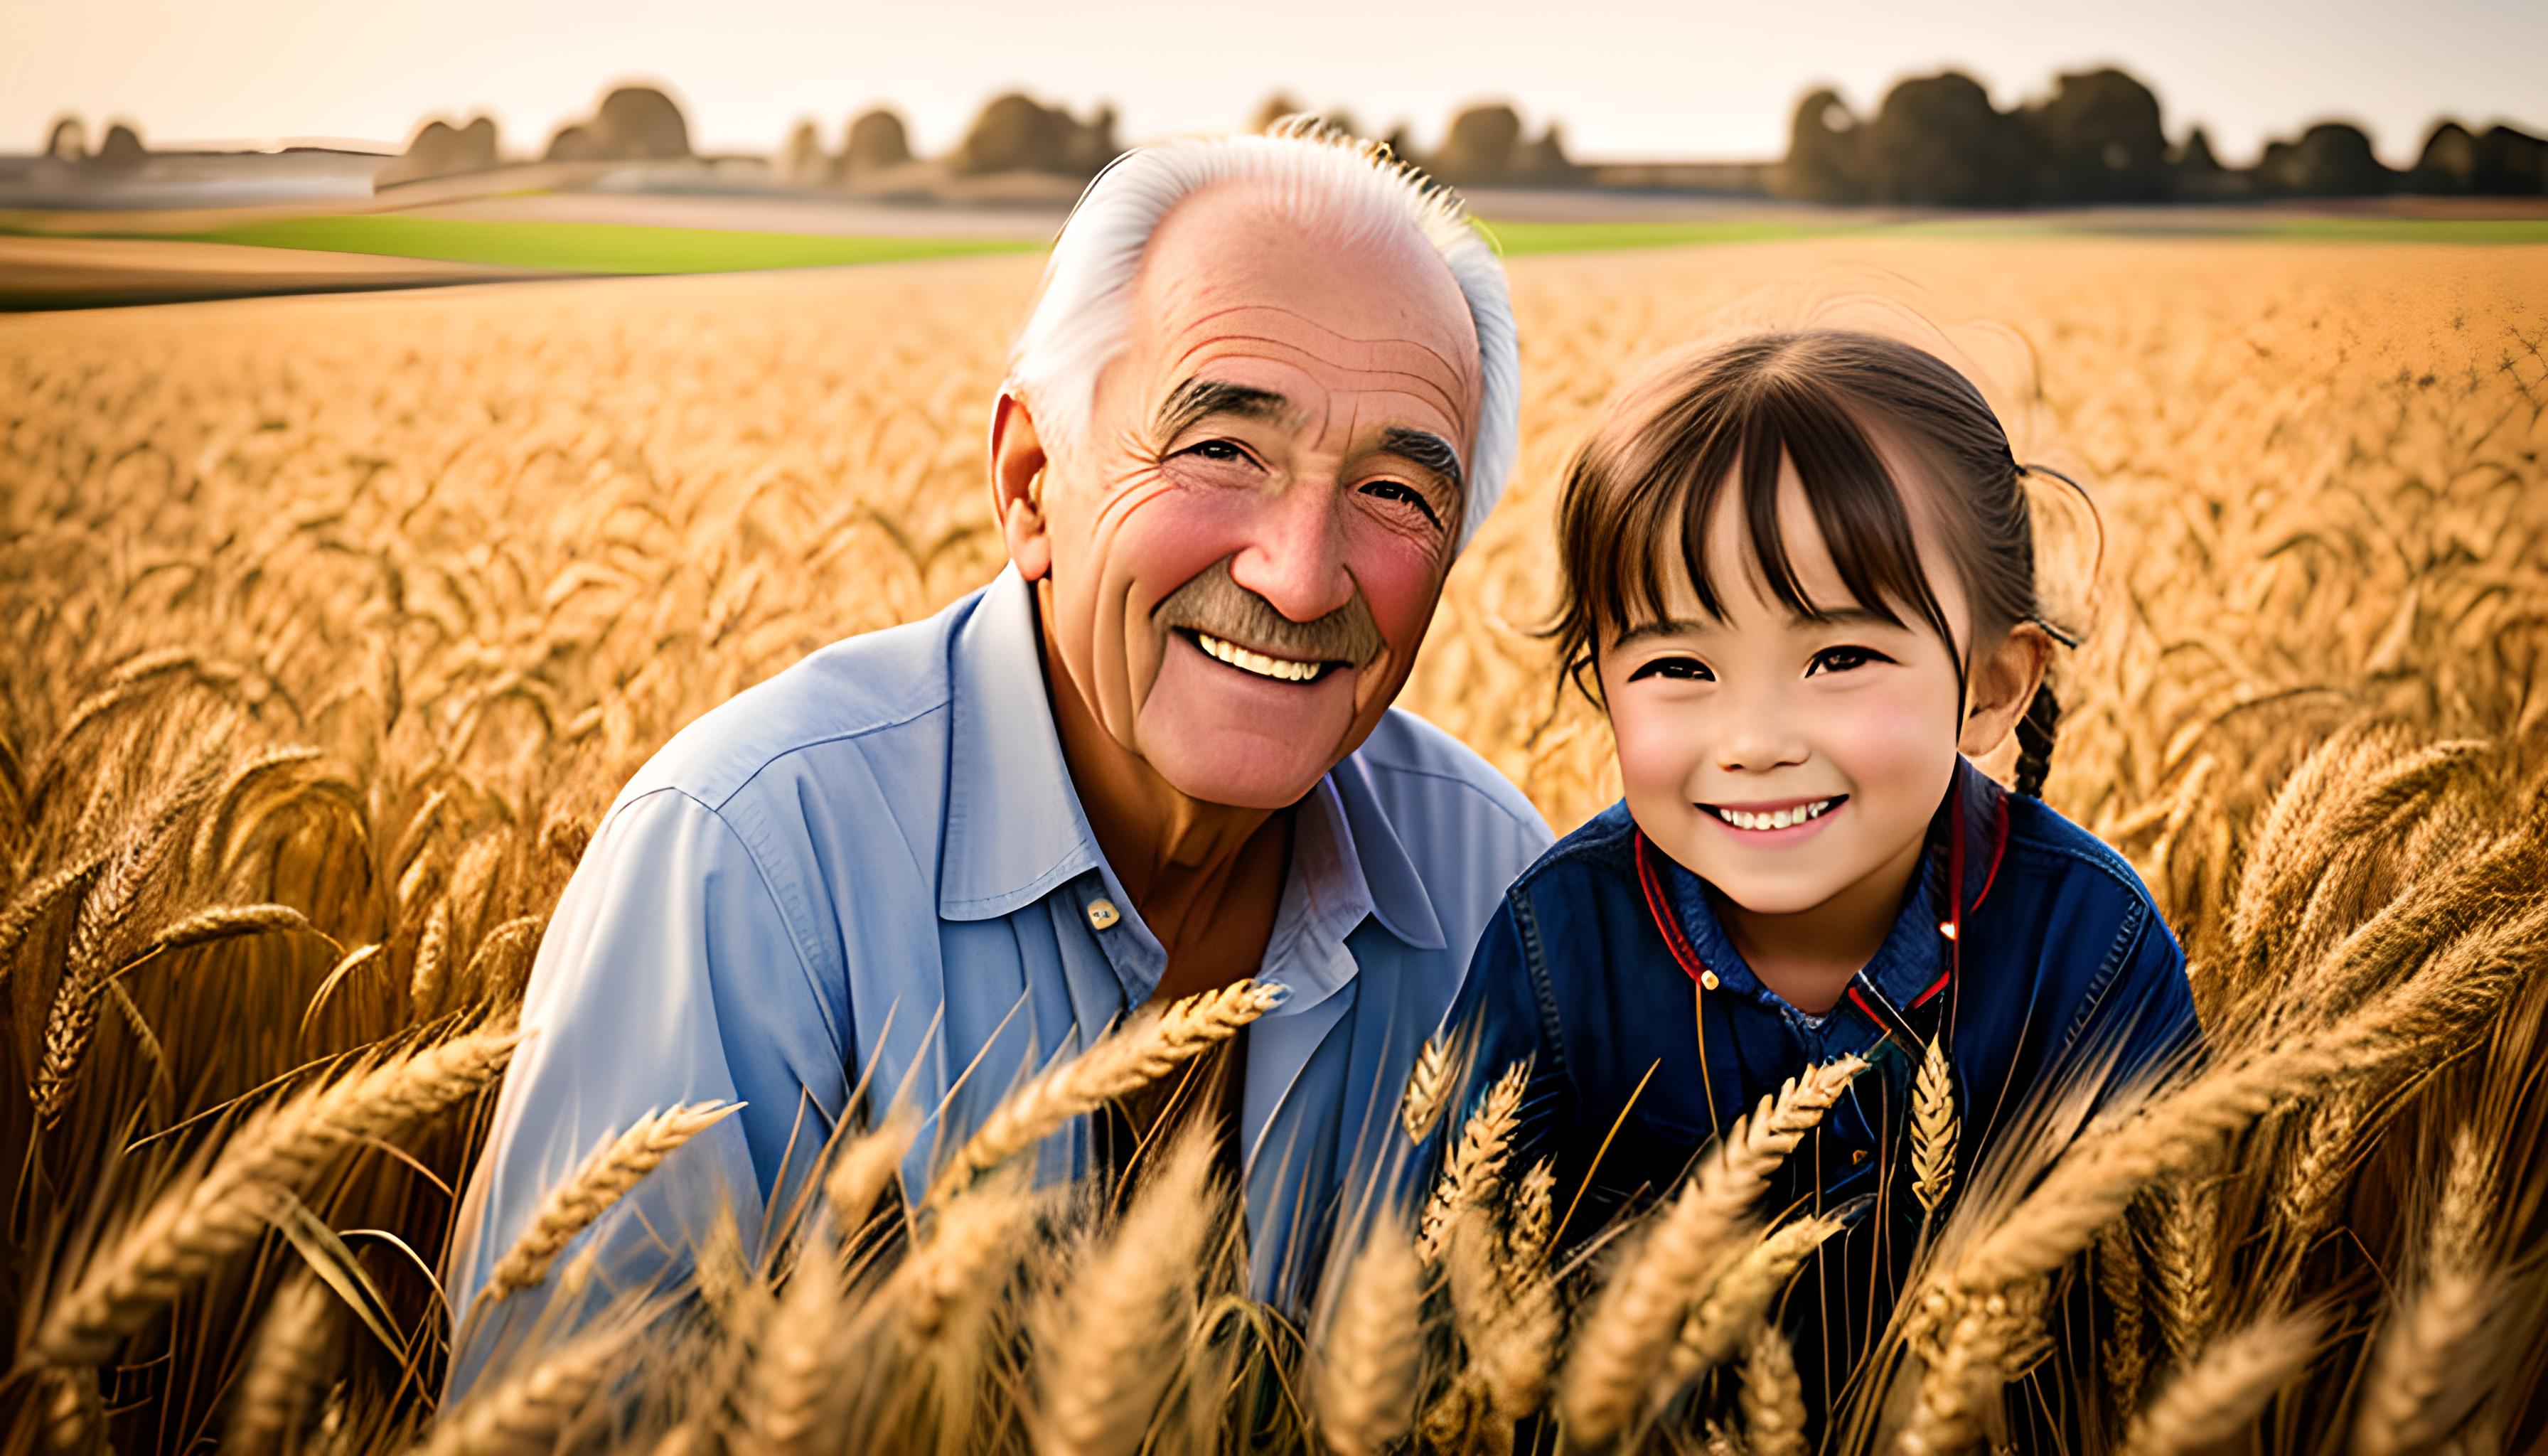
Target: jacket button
point(1102, 914)
point(1858, 1155)
point(1707, 978)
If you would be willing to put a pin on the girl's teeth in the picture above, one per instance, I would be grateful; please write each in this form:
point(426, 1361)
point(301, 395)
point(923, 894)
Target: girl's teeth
point(1775, 818)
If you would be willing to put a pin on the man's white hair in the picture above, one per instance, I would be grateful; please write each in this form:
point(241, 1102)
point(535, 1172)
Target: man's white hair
point(1312, 172)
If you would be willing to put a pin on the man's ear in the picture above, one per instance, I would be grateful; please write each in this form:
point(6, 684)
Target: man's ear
point(2003, 683)
point(1018, 465)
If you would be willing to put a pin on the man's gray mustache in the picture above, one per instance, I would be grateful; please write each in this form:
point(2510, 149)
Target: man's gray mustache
point(1214, 605)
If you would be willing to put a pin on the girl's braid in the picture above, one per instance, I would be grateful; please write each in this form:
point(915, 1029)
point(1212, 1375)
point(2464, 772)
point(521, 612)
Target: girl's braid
point(2035, 735)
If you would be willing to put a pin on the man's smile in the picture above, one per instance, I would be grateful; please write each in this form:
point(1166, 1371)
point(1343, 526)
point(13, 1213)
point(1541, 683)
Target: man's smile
point(1248, 660)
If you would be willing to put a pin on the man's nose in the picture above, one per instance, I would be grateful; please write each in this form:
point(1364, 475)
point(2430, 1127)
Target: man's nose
point(1295, 555)
point(1758, 730)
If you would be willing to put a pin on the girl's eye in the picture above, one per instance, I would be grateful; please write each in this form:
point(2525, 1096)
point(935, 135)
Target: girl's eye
point(1402, 491)
point(1677, 668)
point(1843, 659)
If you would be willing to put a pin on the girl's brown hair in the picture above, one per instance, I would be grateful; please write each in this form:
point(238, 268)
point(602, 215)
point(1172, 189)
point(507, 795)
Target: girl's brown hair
point(1655, 464)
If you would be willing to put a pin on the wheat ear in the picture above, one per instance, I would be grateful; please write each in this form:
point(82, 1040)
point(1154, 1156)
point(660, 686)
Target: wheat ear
point(1533, 1220)
point(2426, 1373)
point(1988, 1339)
point(1127, 1311)
point(524, 1416)
point(1934, 1126)
point(210, 1216)
point(2219, 1393)
point(2119, 1278)
point(2186, 1255)
point(1623, 1345)
point(296, 1345)
point(1123, 1061)
point(605, 1176)
point(1428, 1088)
point(1715, 1330)
point(1471, 1173)
point(1365, 1383)
point(1773, 1400)
point(860, 1172)
point(792, 1373)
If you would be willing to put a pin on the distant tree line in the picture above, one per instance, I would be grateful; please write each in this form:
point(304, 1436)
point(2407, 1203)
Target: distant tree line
point(1939, 142)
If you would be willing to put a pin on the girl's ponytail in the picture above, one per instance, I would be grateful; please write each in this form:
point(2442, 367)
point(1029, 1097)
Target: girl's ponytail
point(2035, 735)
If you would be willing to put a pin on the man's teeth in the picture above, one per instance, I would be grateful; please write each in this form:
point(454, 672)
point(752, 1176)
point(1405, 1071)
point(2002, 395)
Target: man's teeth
point(1775, 818)
point(1280, 668)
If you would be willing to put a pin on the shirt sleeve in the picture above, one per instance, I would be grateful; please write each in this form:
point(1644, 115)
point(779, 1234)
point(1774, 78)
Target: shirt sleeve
point(2140, 1019)
point(668, 974)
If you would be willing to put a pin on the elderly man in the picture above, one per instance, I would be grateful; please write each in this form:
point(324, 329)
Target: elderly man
point(1266, 393)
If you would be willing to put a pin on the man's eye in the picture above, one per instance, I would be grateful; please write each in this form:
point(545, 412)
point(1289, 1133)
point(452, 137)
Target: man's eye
point(1401, 491)
point(1224, 450)
point(1843, 659)
point(1677, 668)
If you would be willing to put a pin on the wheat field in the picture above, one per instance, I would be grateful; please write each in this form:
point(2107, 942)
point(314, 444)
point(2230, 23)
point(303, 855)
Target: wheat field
point(333, 623)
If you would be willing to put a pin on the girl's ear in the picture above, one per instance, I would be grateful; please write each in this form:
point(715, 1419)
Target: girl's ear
point(2003, 683)
point(1018, 465)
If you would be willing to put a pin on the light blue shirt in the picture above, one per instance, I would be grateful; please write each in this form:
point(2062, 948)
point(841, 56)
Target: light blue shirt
point(874, 868)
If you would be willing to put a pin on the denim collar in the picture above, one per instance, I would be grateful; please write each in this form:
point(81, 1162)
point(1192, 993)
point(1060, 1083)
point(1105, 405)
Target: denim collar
point(1914, 951)
point(1015, 830)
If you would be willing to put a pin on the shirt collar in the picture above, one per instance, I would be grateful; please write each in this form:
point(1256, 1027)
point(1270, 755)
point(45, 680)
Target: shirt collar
point(1015, 830)
point(1913, 953)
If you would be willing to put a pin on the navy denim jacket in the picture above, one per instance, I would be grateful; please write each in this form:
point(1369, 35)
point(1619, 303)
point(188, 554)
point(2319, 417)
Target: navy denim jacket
point(2060, 960)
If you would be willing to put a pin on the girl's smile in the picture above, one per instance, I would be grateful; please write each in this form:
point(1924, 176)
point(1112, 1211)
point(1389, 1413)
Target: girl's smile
point(1776, 823)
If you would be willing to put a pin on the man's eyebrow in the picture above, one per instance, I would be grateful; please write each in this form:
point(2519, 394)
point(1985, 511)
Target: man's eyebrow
point(1197, 399)
point(1426, 449)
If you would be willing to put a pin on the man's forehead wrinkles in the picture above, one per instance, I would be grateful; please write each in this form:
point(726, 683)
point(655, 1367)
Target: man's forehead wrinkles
point(1460, 367)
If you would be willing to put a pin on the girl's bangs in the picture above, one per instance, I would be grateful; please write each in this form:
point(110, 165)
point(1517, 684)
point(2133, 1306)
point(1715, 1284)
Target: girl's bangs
point(1858, 507)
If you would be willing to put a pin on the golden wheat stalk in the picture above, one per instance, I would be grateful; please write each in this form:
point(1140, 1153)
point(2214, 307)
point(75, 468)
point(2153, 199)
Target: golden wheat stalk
point(296, 1346)
point(1365, 1388)
point(1934, 1126)
point(1987, 1341)
point(1774, 1398)
point(1123, 1061)
point(1429, 1087)
point(1112, 1343)
point(524, 1414)
point(1715, 1330)
point(2427, 1371)
point(1628, 1337)
point(1534, 1219)
point(2218, 1395)
point(792, 1373)
point(862, 1168)
point(2185, 1256)
point(1475, 1166)
point(2119, 1279)
point(612, 1168)
point(972, 1241)
point(210, 1216)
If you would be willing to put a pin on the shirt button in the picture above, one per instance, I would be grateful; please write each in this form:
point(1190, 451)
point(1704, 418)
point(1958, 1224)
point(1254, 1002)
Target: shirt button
point(1102, 914)
point(1707, 978)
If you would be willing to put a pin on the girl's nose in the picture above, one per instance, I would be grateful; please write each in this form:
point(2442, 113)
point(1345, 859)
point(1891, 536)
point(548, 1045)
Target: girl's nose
point(1759, 735)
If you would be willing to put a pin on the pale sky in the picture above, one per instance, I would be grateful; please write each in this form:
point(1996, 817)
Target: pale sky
point(1692, 78)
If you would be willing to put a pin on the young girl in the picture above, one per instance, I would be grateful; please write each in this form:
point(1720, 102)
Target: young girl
point(1800, 579)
